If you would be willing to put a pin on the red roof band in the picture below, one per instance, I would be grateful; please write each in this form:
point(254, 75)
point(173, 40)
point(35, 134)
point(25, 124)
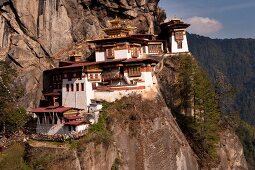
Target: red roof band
point(75, 123)
point(51, 109)
point(124, 60)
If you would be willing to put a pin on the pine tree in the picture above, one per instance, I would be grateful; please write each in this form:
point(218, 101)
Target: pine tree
point(197, 91)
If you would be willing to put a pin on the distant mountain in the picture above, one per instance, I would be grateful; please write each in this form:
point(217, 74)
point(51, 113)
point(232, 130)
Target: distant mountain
point(235, 58)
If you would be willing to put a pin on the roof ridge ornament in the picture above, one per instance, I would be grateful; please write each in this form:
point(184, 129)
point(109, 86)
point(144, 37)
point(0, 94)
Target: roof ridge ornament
point(175, 18)
point(118, 28)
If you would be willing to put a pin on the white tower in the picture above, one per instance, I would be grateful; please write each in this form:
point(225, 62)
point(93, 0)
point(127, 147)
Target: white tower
point(176, 31)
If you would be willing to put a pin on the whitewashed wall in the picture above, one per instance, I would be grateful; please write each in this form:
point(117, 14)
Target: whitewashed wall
point(77, 99)
point(147, 77)
point(100, 56)
point(174, 45)
point(111, 96)
point(81, 127)
point(119, 54)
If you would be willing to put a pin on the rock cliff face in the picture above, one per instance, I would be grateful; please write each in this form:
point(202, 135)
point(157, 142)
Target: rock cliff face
point(34, 33)
point(231, 151)
point(144, 136)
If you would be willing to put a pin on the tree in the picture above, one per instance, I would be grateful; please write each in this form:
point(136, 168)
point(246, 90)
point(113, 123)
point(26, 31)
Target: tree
point(197, 91)
point(13, 116)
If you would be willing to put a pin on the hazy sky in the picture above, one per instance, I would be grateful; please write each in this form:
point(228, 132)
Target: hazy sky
point(215, 18)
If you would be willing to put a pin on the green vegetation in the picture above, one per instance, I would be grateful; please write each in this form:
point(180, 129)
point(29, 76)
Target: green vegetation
point(12, 158)
point(231, 66)
point(198, 99)
point(246, 134)
point(99, 133)
point(12, 115)
point(100, 129)
point(116, 164)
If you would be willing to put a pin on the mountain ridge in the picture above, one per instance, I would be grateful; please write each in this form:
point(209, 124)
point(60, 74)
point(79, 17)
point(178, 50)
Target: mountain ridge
point(235, 58)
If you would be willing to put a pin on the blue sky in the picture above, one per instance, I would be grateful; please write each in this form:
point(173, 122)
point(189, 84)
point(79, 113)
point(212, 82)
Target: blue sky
point(215, 18)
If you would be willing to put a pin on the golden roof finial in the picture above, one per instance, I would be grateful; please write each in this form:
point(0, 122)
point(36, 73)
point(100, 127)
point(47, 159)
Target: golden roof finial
point(175, 18)
point(118, 28)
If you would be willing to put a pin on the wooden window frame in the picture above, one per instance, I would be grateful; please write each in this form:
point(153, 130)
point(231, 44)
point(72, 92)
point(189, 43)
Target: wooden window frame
point(179, 35)
point(179, 44)
point(134, 71)
point(109, 53)
point(135, 52)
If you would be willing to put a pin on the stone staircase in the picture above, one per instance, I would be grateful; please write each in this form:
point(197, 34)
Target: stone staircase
point(54, 129)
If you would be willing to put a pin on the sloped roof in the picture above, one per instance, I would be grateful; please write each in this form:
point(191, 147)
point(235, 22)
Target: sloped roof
point(75, 123)
point(131, 60)
point(51, 109)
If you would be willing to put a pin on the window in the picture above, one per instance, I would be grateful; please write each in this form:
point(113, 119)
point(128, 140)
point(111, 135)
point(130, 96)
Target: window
point(67, 87)
point(96, 76)
point(179, 45)
point(77, 86)
point(82, 86)
point(179, 35)
point(155, 48)
point(71, 87)
point(91, 76)
point(134, 72)
point(109, 53)
point(135, 52)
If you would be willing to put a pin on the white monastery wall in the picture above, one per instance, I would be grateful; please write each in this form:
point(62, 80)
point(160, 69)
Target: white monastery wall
point(174, 45)
point(146, 50)
point(147, 77)
point(77, 99)
point(100, 56)
point(89, 93)
point(111, 96)
point(82, 127)
point(119, 54)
